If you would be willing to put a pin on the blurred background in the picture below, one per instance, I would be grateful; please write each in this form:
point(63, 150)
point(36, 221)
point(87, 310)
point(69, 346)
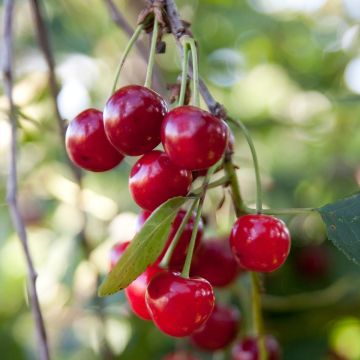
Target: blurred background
point(290, 69)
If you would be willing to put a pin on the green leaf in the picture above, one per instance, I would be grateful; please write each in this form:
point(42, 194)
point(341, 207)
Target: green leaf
point(143, 249)
point(342, 220)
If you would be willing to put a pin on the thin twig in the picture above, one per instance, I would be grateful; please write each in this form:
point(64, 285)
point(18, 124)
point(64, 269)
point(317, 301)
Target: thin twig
point(12, 184)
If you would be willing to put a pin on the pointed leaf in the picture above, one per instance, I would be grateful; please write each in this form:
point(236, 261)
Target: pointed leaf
point(144, 249)
point(342, 220)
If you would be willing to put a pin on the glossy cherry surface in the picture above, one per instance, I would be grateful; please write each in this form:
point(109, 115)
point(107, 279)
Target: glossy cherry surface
point(193, 138)
point(215, 262)
point(247, 349)
point(179, 306)
point(260, 242)
point(87, 144)
point(219, 330)
point(141, 218)
point(180, 355)
point(135, 292)
point(155, 179)
point(179, 255)
point(116, 251)
point(133, 116)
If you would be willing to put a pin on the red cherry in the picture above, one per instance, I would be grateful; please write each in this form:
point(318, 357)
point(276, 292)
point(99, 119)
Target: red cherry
point(180, 355)
point(260, 242)
point(179, 255)
point(155, 179)
point(133, 116)
point(116, 251)
point(193, 138)
point(135, 292)
point(215, 262)
point(313, 262)
point(220, 329)
point(247, 349)
point(179, 306)
point(87, 144)
point(141, 218)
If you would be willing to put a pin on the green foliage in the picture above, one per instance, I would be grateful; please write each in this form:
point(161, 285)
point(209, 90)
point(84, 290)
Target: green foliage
point(144, 249)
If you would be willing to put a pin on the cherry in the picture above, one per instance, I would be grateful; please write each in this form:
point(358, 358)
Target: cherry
point(260, 242)
point(135, 292)
point(180, 355)
point(215, 262)
point(141, 218)
point(116, 251)
point(179, 306)
point(220, 329)
point(133, 116)
point(155, 179)
point(179, 255)
point(313, 262)
point(87, 144)
point(193, 138)
point(247, 349)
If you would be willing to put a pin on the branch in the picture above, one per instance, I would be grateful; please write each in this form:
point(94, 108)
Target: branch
point(12, 184)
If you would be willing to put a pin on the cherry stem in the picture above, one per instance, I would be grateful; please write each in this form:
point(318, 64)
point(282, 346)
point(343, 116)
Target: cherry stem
point(191, 42)
point(129, 46)
point(292, 211)
point(165, 261)
point(222, 181)
point(187, 265)
point(256, 313)
point(151, 60)
point(184, 75)
point(250, 142)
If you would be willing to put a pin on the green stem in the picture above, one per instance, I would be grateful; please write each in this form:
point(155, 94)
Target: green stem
point(234, 184)
point(222, 181)
point(165, 261)
point(191, 42)
point(129, 46)
point(184, 75)
point(249, 140)
point(200, 202)
point(151, 61)
point(256, 313)
point(292, 211)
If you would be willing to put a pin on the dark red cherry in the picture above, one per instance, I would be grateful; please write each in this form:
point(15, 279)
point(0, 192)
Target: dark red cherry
point(135, 292)
point(87, 144)
point(155, 179)
point(247, 349)
point(193, 138)
point(180, 355)
point(179, 306)
point(116, 251)
point(260, 242)
point(215, 262)
point(179, 255)
point(313, 262)
point(141, 218)
point(133, 116)
point(219, 330)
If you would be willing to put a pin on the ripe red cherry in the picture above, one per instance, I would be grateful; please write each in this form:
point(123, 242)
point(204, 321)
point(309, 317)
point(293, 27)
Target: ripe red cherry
point(180, 355)
point(215, 262)
point(155, 179)
point(260, 242)
point(135, 292)
point(87, 144)
point(179, 306)
point(220, 329)
point(116, 251)
point(193, 138)
point(247, 349)
point(179, 255)
point(133, 116)
point(141, 218)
